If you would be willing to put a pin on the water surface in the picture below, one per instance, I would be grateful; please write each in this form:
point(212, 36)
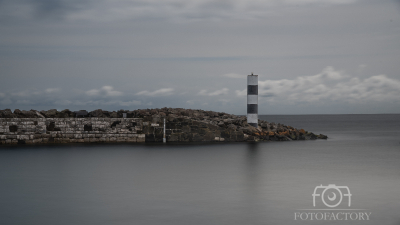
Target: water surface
point(235, 183)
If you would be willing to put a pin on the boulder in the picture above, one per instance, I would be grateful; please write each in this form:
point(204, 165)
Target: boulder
point(29, 114)
point(131, 114)
point(7, 113)
point(52, 113)
point(113, 114)
point(321, 136)
point(264, 125)
point(18, 113)
point(249, 130)
point(81, 113)
point(285, 133)
point(66, 113)
point(232, 127)
point(37, 113)
point(25, 114)
point(97, 113)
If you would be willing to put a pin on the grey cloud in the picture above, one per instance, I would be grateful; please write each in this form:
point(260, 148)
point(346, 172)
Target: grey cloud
point(147, 46)
point(299, 2)
point(27, 97)
point(176, 10)
point(223, 91)
point(129, 103)
point(267, 95)
point(102, 97)
point(52, 90)
point(330, 85)
point(108, 98)
point(105, 91)
point(51, 6)
point(43, 8)
point(159, 92)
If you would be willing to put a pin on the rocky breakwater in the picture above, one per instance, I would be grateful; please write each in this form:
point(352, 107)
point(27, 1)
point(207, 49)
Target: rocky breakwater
point(187, 125)
point(143, 125)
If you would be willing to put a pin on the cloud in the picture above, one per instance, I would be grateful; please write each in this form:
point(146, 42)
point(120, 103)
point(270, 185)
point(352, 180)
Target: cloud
point(234, 75)
point(301, 2)
point(93, 92)
point(329, 85)
point(53, 96)
point(182, 10)
point(223, 91)
point(24, 102)
point(43, 8)
point(26, 93)
point(224, 101)
point(130, 103)
point(25, 97)
point(52, 90)
point(105, 91)
point(159, 92)
point(241, 92)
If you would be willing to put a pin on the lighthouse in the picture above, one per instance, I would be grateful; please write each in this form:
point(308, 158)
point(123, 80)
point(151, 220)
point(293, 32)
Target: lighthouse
point(252, 100)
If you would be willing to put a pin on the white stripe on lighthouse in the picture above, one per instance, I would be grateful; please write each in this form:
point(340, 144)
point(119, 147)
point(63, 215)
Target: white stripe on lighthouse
point(252, 99)
point(252, 79)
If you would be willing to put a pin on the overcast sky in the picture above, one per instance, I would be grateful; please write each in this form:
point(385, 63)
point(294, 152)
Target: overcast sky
point(312, 56)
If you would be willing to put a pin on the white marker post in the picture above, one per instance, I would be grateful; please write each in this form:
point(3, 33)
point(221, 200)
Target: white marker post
point(164, 139)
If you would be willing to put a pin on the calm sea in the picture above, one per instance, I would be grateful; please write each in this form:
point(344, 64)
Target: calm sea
point(237, 183)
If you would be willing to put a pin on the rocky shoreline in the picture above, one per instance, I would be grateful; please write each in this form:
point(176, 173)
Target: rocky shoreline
point(142, 125)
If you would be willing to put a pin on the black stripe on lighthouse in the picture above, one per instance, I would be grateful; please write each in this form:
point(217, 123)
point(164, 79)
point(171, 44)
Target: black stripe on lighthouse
point(252, 89)
point(252, 108)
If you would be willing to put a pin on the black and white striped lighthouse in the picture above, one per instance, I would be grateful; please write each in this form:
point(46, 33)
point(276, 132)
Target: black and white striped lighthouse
point(252, 100)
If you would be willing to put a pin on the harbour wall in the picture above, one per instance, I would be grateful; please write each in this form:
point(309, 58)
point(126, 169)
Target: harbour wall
point(70, 130)
point(103, 130)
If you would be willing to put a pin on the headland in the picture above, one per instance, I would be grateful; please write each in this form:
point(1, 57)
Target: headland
point(142, 125)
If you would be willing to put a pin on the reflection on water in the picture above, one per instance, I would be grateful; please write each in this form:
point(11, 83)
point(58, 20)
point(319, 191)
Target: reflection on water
point(238, 183)
point(252, 169)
